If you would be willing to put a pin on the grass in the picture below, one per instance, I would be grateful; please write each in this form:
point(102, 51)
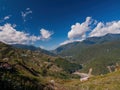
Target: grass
point(97, 56)
point(42, 64)
point(109, 81)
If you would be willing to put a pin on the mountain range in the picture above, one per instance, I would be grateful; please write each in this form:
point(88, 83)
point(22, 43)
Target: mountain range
point(32, 48)
point(94, 52)
point(87, 42)
point(91, 52)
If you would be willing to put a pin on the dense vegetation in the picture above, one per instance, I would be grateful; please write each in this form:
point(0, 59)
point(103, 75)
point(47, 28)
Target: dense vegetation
point(95, 52)
point(68, 67)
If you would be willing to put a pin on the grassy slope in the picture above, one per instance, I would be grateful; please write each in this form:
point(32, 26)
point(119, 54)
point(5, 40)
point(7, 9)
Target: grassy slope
point(109, 81)
point(31, 69)
point(100, 56)
point(97, 56)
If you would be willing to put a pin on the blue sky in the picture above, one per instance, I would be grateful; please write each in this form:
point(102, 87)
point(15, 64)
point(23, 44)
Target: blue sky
point(50, 23)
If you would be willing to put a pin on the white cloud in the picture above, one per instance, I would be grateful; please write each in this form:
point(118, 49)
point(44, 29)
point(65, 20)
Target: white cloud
point(45, 33)
point(69, 41)
point(79, 30)
point(7, 17)
point(91, 28)
point(66, 42)
point(27, 8)
point(102, 29)
point(9, 35)
point(26, 13)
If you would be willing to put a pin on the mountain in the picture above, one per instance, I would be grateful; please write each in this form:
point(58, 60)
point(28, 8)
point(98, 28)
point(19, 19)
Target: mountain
point(64, 47)
point(103, 39)
point(95, 52)
point(22, 69)
point(85, 43)
point(32, 48)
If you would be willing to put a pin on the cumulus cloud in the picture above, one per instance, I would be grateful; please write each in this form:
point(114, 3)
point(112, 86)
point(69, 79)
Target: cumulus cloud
point(104, 28)
point(26, 13)
point(45, 33)
point(91, 28)
point(9, 35)
point(79, 30)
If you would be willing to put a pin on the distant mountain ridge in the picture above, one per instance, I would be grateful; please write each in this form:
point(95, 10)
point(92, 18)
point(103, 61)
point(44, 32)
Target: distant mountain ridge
point(89, 41)
point(32, 48)
point(102, 39)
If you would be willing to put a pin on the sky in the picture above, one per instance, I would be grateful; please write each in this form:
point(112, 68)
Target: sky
point(51, 23)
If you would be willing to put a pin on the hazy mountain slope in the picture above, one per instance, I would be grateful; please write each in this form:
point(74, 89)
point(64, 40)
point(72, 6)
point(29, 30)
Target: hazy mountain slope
point(32, 48)
point(64, 47)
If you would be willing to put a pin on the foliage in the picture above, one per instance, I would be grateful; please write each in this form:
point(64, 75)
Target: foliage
point(67, 66)
point(94, 52)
